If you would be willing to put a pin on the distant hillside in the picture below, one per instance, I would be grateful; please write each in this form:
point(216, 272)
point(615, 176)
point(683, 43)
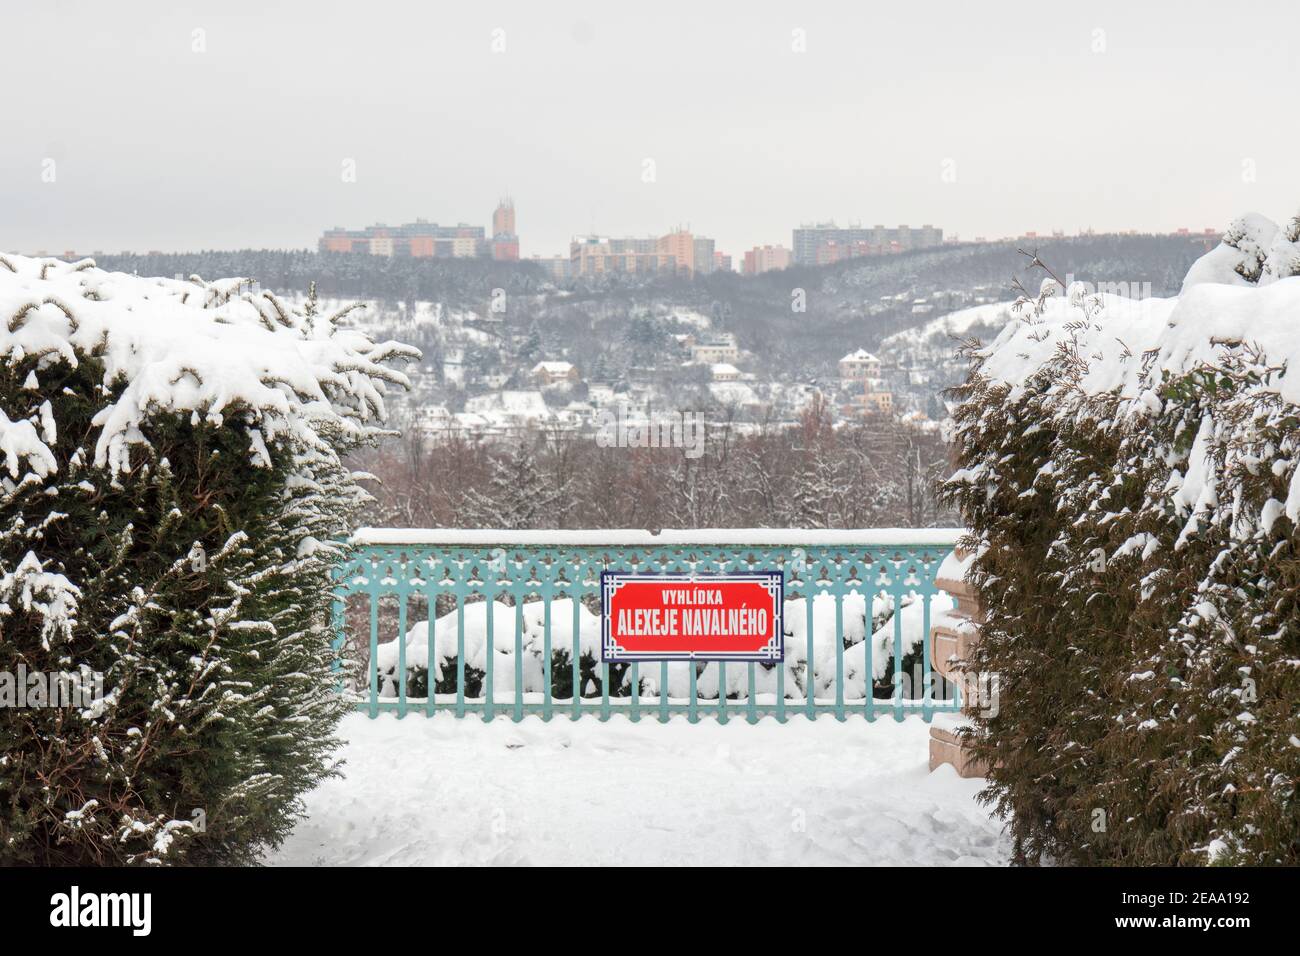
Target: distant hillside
point(460, 283)
point(860, 302)
point(853, 304)
point(1162, 260)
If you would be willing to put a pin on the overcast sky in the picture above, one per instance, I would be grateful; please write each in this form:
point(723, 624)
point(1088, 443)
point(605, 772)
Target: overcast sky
point(1043, 116)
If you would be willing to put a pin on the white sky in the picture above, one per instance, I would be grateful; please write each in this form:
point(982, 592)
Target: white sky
point(156, 146)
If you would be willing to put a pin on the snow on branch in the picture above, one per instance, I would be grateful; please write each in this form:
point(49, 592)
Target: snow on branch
point(1221, 307)
point(53, 597)
point(216, 350)
point(20, 443)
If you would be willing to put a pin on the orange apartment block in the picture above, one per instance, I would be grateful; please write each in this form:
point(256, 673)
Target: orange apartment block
point(681, 246)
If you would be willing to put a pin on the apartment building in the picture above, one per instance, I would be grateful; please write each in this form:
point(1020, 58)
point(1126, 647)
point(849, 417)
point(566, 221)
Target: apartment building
point(679, 252)
point(558, 267)
point(505, 241)
point(546, 374)
point(860, 376)
point(420, 238)
point(819, 243)
point(762, 259)
point(716, 349)
point(858, 367)
point(424, 239)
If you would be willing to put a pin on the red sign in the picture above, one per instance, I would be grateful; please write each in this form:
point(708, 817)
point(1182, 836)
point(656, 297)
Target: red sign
point(683, 617)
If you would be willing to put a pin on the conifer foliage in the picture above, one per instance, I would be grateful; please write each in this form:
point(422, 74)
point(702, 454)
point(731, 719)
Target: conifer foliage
point(171, 491)
point(1129, 473)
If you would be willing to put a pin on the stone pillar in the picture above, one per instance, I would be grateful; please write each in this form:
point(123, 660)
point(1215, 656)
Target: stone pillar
point(953, 637)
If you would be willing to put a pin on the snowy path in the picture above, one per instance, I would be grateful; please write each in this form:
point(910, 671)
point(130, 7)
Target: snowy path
point(444, 791)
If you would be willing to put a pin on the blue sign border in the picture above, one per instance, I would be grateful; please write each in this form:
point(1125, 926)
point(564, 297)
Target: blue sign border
point(774, 581)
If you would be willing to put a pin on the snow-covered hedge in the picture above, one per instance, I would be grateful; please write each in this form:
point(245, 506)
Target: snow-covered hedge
point(1129, 473)
point(170, 483)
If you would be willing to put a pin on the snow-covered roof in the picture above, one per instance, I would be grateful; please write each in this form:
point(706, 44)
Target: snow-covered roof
point(861, 355)
point(733, 393)
point(691, 317)
point(436, 412)
point(553, 368)
point(600, 394)
point(472, 421)
point(522, 402)
point(215, 350)
point(725, 368)
point(717, 340)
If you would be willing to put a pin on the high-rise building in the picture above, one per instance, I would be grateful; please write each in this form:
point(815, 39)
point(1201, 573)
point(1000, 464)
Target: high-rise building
point(703, 260)
point(420, 239)
point(766, 258)
point(503, 218)
point(559, 267)
point(692, 253)
point(825, 242)
point(680, 252)
point(505, 241)
point(681, 245)
point(597, 255)
point(339, 239)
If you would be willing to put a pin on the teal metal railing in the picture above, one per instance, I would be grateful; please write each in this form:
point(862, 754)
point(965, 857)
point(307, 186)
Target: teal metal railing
point(511, 624)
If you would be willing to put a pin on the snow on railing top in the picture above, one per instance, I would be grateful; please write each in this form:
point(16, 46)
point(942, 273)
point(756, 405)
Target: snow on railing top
point(631, 537)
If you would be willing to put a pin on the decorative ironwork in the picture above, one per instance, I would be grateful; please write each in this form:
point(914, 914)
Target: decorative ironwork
point(511, 576)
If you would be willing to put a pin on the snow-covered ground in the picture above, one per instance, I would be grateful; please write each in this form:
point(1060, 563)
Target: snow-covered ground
point(442, 791)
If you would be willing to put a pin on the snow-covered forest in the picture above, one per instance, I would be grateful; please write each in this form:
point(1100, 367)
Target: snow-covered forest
point(880, 472)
